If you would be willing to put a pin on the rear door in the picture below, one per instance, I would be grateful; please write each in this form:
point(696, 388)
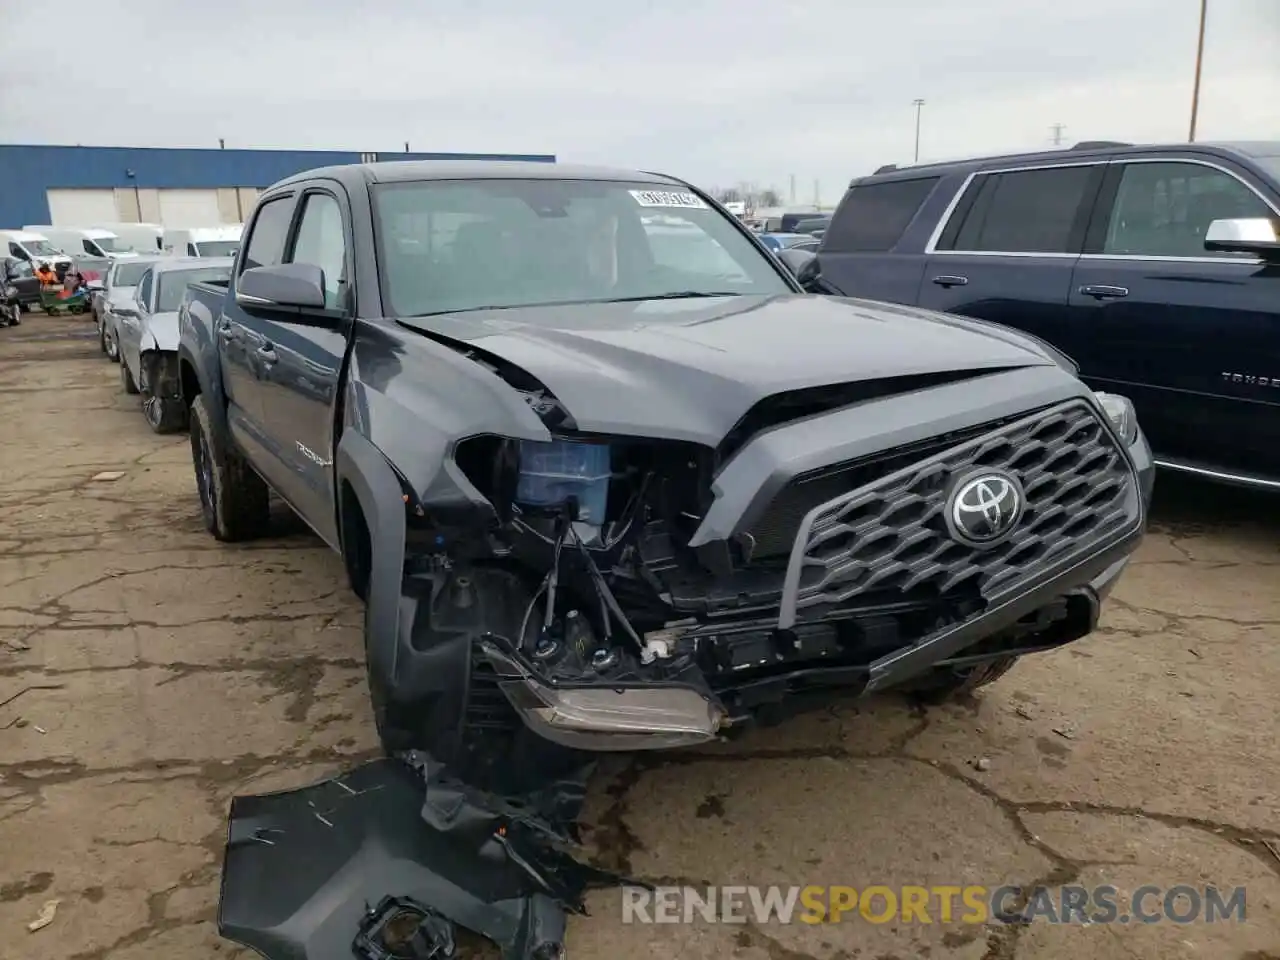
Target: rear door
point(858, 255)
point(300, 383)
point(241, 339)
point(1192, 336)
point(1006, 251)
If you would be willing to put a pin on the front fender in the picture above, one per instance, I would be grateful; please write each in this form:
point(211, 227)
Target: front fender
point(198, 351)
point(415, 399)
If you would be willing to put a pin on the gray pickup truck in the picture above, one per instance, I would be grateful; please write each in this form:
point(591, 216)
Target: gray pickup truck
point(607, 478)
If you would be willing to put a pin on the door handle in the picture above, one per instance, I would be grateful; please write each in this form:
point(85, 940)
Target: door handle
point(951, 281)
point(1103, 292)
point(267, 354)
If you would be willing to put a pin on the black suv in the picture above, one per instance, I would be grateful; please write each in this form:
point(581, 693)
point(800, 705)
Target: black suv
point(1106, 251)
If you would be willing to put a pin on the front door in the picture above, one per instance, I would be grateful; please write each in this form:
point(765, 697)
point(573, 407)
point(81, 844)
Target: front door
point(239, 331)
point(299, 396)
point(1191, 336)
point(1007, 252)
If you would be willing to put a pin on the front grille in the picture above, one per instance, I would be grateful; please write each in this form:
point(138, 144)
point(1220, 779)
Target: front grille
point(774, 534)
point(891, 534)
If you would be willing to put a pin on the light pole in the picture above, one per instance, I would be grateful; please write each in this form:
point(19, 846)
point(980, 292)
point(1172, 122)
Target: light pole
point(917, 103)
point(1195, 90)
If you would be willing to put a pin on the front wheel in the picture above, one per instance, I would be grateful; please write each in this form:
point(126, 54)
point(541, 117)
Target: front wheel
point(112, 348)
point(164, 414)
point(233, 499)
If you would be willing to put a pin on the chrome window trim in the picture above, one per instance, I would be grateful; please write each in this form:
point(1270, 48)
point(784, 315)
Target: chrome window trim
point(930, 247)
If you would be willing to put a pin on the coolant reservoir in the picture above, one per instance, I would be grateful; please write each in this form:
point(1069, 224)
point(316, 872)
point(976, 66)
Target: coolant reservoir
point(552, 473)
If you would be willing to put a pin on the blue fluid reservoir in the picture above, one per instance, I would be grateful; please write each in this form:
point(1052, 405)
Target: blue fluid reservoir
point(551, 473)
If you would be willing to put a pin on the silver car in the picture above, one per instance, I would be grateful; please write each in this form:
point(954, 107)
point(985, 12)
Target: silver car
point(147, 335)
point(116, 290)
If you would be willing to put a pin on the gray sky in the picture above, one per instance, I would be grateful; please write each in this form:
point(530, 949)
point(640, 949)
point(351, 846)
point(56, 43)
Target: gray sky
point(717, 91)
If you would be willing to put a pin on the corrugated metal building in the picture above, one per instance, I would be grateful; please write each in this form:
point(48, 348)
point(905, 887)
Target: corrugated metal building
point(82, 186)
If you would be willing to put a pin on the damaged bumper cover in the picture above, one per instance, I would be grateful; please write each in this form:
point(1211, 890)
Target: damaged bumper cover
point(382, 862)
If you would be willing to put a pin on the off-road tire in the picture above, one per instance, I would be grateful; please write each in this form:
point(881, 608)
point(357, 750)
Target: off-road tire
point(233, 499)
point(126, 379)
point(948, 683)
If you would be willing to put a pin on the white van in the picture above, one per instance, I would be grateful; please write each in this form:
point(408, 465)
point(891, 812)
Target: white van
point(146, 238)
point(85, 242)
point(204, 241)
point(34, 248)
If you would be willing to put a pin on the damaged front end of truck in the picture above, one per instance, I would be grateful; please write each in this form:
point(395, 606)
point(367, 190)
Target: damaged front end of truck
point(617, 592)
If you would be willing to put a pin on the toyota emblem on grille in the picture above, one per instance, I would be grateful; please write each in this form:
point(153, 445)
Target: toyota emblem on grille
point(984, 508)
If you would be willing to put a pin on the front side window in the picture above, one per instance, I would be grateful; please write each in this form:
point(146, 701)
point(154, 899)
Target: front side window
point(1164, 209)
point(173, 284)
point(322, 242)
point(467, 245)
point(1022, 211)
point(17, 251)
point(270, 229)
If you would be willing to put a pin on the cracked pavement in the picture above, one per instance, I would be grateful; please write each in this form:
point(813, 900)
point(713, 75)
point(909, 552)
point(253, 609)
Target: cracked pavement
point(148, 673)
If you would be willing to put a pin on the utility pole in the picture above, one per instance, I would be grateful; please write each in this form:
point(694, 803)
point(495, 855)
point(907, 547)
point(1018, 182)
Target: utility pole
point(1057, 129)
point(1195, 90)
point(918, 104)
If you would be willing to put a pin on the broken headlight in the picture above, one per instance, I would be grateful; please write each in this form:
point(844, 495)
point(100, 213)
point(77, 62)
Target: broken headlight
point(1119, 411)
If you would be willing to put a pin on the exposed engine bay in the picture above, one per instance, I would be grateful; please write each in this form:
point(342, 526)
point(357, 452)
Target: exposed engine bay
point(620, 633)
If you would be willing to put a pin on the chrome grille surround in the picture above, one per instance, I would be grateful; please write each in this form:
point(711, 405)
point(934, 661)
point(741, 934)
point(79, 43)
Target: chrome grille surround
point(1081, 496)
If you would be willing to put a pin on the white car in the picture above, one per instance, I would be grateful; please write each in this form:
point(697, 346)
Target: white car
point(147, 334)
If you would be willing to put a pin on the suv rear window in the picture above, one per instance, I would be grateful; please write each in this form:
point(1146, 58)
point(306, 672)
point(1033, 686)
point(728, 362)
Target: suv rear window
point(872, 217)
point(1023, 211)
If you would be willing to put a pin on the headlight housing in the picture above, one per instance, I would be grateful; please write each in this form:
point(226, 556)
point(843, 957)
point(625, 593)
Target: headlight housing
point(1119, 411)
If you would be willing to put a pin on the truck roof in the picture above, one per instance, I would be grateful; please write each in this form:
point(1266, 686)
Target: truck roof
point(1088, 150)
point(395, 171)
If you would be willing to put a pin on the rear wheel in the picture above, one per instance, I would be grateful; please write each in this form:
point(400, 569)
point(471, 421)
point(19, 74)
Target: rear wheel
point(233, 499)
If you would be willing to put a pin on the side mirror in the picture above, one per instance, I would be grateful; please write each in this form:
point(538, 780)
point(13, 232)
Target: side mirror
point(803, 264)
point(1259, 237)
point(288, 286)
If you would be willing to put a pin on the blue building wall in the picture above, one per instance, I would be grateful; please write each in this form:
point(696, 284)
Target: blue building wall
point(26, 172)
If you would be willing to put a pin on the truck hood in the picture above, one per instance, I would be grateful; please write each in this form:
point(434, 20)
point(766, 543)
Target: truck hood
point(161, 332)
point(690, 369)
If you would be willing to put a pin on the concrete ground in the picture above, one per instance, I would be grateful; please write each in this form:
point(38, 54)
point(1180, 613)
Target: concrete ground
point(148, 673)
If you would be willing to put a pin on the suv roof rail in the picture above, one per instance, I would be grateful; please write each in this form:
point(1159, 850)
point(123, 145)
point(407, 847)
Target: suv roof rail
point(1099, 144)
point(887, 168)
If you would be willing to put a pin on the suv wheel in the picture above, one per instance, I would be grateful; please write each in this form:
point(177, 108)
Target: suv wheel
point(233, 499)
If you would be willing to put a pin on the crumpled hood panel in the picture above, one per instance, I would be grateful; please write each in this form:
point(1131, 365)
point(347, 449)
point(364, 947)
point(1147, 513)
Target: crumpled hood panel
point(689, 369)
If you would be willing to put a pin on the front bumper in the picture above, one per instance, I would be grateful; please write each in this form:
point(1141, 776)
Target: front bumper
point(1077, 578)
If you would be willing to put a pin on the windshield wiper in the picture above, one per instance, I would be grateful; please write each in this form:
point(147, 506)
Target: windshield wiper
point(676, 295)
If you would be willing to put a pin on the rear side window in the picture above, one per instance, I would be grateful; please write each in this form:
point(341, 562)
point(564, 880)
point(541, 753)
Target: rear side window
point(872, 217)
point(1025, 211)
point(270, 229)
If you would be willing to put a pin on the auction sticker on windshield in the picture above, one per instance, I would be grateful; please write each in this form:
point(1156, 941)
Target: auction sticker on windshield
point(667, 198)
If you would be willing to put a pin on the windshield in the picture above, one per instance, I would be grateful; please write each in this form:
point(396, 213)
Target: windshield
point(218, 248)
point(173, 284)
point(467, 245)
point(109, 244)
point(41, 248)
point(128, 274)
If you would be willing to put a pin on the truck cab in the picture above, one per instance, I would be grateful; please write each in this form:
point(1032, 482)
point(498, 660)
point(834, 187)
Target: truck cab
point(1102, 250)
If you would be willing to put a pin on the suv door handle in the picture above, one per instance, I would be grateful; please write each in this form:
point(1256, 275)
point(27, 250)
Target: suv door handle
point(1104, 292)
point(951, 281)
point(267, 354)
